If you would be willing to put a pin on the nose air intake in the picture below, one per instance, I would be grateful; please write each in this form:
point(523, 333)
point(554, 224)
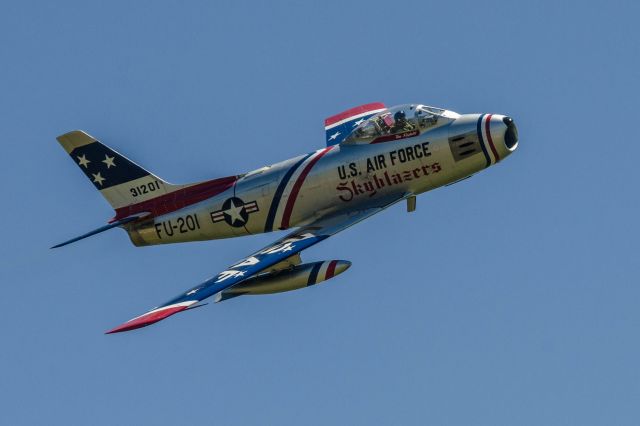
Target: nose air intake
point(511, 134)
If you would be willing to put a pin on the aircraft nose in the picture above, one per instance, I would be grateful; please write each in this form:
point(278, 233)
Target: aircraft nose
point(341, 266)
point(504, 135)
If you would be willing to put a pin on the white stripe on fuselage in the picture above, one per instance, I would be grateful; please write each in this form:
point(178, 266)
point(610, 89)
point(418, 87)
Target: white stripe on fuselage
point(485, 139)
point(287, 191)
point(144, 188)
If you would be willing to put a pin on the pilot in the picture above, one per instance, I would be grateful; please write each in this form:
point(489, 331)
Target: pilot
point(401, 123)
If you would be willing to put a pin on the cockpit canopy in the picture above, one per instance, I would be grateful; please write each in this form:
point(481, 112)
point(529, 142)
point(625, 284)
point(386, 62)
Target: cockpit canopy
point(399, 122)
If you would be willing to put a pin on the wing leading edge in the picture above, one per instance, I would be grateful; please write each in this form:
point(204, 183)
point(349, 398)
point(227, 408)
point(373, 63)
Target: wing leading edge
point(279, 251)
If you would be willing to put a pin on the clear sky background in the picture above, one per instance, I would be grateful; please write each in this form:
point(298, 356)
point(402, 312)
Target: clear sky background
point(511, 298)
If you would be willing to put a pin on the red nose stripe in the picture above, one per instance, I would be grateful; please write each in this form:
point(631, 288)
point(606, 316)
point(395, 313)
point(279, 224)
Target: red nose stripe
point(487, 127)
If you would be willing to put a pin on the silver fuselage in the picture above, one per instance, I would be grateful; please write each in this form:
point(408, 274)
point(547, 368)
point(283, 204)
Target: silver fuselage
point(344, 177)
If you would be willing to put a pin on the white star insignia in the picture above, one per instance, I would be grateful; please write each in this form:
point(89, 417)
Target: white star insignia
point(108, 161)
point(289, 247)
point(83, 161)
point(234, 212)
point(359, 122)
point(333, 136)
point(98, 179)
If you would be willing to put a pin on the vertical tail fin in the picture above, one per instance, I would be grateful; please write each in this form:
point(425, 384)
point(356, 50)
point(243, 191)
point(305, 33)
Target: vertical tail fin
point(121, 181)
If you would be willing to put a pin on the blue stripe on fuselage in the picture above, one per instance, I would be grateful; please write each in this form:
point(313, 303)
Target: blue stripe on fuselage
point(268, 227)
point(482, 145)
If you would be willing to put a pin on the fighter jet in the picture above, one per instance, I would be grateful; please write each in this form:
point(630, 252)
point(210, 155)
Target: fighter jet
point(374, 157)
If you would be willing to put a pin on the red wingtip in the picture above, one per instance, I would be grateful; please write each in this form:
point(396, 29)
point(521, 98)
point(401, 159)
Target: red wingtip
point(149, 318)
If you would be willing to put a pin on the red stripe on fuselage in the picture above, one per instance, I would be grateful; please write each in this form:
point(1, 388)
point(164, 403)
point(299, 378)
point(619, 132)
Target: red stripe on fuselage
point(177, 199)
point(296, 187)
point(331, 269)
point(487, 127)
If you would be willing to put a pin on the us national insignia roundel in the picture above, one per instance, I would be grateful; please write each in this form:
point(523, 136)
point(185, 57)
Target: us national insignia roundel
point(235, 212)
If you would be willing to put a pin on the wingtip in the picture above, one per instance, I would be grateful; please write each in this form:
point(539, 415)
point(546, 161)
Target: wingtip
point(126, 327)
point(152, 317)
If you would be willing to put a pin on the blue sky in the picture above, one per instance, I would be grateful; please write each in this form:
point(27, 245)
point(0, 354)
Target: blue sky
point(511, 298)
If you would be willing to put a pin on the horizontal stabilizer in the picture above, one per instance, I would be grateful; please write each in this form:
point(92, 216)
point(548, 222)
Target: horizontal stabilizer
point(99, 230)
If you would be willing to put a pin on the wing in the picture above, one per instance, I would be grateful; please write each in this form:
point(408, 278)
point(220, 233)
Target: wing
point(339, 126)
point(283, 249)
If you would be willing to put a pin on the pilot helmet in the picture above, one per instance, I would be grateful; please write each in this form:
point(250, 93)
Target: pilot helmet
point(399, 116)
